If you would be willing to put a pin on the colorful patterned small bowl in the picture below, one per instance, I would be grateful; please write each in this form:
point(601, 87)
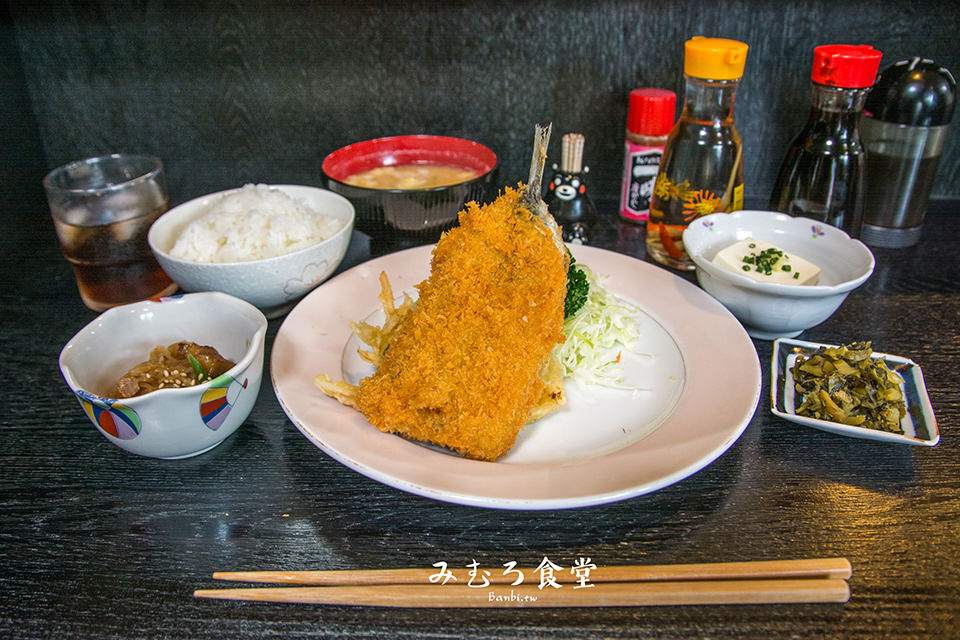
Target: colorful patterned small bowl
point(771, 310)
point(168, 423)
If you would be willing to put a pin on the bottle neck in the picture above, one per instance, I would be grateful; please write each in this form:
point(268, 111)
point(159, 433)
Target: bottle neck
point(709, 101)
point(835, 103)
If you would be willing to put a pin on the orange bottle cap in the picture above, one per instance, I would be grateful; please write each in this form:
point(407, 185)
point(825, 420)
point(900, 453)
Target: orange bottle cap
point(714, 58)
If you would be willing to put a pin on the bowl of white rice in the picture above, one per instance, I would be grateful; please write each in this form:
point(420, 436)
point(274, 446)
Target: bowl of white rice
point(266, 244)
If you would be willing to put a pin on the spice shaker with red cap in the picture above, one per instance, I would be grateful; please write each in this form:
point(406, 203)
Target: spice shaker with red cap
point(650, 117)
point(822, 174)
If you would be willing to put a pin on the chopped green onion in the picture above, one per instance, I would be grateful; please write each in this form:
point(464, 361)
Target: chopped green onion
point(766, 261)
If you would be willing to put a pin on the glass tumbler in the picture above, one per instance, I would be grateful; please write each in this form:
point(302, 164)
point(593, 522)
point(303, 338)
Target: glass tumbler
point(102, 209)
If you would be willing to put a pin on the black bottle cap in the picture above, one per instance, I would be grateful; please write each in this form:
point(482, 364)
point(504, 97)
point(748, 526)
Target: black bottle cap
point(916, 92)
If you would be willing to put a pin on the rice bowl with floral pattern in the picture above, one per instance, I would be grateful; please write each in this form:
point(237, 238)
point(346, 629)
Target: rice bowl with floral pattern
point(272, 284)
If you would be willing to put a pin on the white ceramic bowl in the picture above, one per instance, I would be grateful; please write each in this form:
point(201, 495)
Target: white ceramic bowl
point(272, 284)
point(168, 423)
point(770, 310)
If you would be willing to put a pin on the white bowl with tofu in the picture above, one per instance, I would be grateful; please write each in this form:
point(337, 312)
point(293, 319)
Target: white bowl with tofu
point(779, 275)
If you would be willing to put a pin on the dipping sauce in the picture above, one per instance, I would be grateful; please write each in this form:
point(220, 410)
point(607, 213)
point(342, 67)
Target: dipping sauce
point(763, 262)
point(411, 176)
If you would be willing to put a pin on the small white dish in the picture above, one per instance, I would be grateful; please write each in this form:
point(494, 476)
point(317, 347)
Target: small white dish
point(919, 425)
point(771, 310)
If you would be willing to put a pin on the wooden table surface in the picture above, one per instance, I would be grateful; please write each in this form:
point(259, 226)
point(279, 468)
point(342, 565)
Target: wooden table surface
point(96, 542)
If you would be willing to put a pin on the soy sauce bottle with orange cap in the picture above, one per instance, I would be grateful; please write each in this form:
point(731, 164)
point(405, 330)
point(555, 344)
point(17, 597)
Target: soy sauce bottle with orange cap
point(822, 174)
point(702, 167)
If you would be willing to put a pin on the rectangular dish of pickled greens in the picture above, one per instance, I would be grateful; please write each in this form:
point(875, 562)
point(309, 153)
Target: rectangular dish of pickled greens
point(851, 390)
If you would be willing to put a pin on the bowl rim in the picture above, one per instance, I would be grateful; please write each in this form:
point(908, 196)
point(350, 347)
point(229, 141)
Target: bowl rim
point(775, 288)
point(366, 191)
point(257, 340)
point(346, 229)
point(491, 163)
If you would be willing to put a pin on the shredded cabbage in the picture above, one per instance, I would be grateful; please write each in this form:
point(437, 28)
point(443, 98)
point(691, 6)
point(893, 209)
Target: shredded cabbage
point(590, 355)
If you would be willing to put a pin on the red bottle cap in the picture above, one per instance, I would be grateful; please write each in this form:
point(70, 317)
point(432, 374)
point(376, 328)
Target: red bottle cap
point(652, 112)
point(845, 65)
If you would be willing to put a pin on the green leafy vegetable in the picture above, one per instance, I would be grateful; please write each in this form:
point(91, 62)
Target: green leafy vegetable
point(595, 336)
point(847, 385)
point(578, 289)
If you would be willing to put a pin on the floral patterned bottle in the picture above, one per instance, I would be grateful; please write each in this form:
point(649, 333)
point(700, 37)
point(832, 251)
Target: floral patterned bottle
point(702, 167)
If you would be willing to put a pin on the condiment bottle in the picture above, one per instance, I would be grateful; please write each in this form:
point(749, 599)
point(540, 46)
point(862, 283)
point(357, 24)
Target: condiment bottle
point(567, 198)
point(822, 174)
point(650, 116)
point(702, 167)
point(905, 123)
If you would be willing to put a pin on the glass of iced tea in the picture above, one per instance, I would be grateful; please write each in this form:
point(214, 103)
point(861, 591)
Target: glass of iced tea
point(102, 209)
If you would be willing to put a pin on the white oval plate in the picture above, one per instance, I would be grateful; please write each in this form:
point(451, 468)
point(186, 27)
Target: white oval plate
point(703, 376)
point(919, 425)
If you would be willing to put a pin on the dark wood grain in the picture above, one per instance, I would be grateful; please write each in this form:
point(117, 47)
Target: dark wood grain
point(241, 91)
point(98, 543)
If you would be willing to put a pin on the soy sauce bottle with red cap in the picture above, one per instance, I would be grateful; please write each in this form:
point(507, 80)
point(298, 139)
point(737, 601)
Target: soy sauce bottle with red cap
point(822, 174)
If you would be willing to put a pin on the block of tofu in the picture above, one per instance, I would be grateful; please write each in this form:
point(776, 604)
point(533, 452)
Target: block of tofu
point(764, 262)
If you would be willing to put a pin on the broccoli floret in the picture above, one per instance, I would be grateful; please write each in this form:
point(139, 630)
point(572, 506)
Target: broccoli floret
point(577, 289)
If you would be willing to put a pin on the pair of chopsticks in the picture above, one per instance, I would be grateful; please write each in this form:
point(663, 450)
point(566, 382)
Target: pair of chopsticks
point(758, 582)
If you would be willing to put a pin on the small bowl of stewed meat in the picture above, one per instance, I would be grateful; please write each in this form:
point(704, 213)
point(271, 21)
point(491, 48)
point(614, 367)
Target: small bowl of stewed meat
point(410, 187)
point(170, 377)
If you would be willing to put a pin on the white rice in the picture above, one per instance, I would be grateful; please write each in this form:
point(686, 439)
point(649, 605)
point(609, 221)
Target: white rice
point(253, 223)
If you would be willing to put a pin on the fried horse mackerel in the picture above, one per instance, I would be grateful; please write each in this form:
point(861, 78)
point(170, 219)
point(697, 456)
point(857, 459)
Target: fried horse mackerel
point(468, 364)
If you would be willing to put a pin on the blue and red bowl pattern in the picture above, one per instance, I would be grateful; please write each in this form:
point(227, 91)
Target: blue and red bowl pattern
point(114, 418)
point(122, 422)
point(216, 401)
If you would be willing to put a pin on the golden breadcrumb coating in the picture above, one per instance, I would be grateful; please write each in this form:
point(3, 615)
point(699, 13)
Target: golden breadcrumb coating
point(463, 369)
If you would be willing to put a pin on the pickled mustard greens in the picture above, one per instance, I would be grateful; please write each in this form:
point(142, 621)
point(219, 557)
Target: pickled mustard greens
point(846, 385)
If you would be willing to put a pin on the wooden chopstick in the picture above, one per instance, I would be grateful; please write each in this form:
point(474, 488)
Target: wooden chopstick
point(609, 594)
point(763, 569)
point(755, 582)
